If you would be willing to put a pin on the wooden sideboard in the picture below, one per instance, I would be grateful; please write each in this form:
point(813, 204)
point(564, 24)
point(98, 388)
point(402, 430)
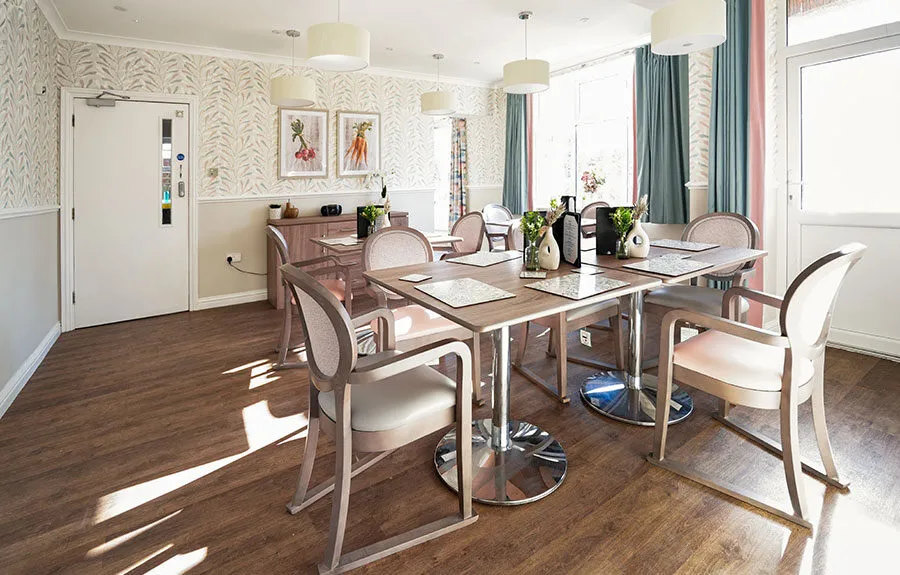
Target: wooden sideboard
point(298, 232)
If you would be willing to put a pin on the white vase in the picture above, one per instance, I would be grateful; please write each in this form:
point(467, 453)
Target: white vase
point(382, 222)
point(638, 241)
point(548, 255)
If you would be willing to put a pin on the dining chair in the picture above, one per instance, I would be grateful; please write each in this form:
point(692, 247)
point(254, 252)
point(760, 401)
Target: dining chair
point(748, 366)
point(590, 211)
point(471, 229)
point(414, 325)
point(514, 239)
point(560, 325)
point(373, 405)
point(328, 265)
point(722, 228)
point(496, 213)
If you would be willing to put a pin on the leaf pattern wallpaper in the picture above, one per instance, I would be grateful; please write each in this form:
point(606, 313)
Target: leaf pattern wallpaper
point(29, 121)
point(700, 99)
point(238, 126)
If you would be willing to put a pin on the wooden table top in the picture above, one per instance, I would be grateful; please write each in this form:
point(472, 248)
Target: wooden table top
point(721, 257)
point(528, 304)
point(433, 239)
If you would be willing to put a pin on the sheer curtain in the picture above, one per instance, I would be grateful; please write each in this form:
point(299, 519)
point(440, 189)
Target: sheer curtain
point(459, 172)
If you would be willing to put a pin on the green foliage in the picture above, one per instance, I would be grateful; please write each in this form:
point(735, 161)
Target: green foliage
point(371, 213)
point(622, 218)
point(531, 225)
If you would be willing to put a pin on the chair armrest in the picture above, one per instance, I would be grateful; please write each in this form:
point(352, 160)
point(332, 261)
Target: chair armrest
point(316, 261)
point(386, 318)
point(406, 361)
point(724, 325)
point(757, 296)
point(451, 255)
point(742, 276)
point(340, 270)
point(378, 293)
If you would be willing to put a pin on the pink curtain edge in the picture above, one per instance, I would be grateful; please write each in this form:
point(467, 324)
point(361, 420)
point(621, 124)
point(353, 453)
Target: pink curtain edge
point(756, 136)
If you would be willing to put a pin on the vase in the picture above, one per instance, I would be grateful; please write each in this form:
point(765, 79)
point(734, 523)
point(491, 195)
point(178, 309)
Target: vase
point(621, 249)
point(532, 255)
point(275, 213)
point(382, 221)
point(548, 257)
point(638, 241)
point(370, 229)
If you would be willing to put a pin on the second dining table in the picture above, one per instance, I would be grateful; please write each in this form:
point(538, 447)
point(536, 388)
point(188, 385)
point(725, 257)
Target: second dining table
point(514, 461)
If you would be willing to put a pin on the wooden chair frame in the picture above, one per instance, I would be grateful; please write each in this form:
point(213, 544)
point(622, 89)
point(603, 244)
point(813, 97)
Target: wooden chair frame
point(590, 211)
point(331, 266)
point(454, 251)
point(786, 401)
point(378, 444)
point(495, 236)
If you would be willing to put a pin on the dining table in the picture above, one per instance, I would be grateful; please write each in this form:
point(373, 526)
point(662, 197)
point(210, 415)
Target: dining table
point(629, 395)
point(346, 245)
point(515, 461)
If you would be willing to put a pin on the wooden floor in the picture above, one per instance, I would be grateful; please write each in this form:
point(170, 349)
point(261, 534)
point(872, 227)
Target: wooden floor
point(167, 445)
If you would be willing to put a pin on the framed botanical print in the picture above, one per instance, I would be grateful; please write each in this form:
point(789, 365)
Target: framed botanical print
point(359, 143)
point(302, 143)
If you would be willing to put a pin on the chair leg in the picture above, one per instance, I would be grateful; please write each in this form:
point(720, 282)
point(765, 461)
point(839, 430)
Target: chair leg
point(475, 346)
point(790, 445)
point(342, 474)
point(523, 344)
point(562, 357)
point(663, 395)
point(464, 447)
point(615, 322)
point(818, 412)
point(306, 467)
point(285, 328)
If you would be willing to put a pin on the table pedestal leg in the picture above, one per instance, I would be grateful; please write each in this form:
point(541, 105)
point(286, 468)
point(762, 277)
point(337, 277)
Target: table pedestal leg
point(630, 395)
point(514, 462)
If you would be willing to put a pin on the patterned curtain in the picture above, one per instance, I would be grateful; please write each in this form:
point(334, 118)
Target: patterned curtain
point(459, 172)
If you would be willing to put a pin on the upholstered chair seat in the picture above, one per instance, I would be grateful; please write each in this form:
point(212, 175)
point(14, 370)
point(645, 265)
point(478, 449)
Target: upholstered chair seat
point(396, 401)
point(336, 286)
point(414, 321)
point(698, 298)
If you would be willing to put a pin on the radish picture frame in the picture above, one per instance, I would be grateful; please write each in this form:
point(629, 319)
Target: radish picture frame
point(358, 143)
point(303, 146)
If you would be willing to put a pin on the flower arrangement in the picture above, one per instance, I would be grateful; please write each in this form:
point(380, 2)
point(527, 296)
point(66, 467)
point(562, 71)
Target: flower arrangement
point(622, 219)
point(379, 178)
point(305, 153)
point(592, 180)
point(371, 213)
point(531, 226)
point(641, 209)
point(553, 214)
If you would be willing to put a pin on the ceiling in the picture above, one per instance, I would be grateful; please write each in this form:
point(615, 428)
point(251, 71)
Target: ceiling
point(476, 36)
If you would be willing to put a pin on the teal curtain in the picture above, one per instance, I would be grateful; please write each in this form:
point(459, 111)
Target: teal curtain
point(515, 177)
point(728, 118)
point(661, 106)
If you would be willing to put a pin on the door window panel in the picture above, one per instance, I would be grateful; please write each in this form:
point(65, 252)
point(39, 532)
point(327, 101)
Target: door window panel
point(809, 20)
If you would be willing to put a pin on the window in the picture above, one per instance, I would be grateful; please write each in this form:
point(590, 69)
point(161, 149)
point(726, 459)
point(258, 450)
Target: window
point(809, 20)
point(585, 121)
point(442, 145)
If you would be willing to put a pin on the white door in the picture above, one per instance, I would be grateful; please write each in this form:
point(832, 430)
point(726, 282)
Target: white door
point(131, 211)
point(844, 180)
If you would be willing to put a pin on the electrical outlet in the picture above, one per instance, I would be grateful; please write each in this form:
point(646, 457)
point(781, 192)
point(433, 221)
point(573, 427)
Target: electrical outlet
point(585, 337)
point(235, 257)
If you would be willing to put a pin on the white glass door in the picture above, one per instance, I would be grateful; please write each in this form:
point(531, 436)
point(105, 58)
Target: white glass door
point(844, 180)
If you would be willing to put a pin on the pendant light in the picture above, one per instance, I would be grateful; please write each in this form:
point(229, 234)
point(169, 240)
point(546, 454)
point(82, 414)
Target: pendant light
point(293, 90)
point(526, 76)
point(337, 46)
point(439, 102)
point(687, 26)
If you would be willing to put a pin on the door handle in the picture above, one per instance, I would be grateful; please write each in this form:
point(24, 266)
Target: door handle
point(181, 189)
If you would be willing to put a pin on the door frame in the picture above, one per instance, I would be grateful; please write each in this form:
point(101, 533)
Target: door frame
point(67, 191)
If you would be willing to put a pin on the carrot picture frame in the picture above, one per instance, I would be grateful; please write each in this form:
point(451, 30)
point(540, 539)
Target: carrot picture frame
point(359, 143)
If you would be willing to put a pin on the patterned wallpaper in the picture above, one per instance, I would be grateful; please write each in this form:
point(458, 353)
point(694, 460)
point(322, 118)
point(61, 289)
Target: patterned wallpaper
point(238, 126)
point(29, 121)
point(699, 100)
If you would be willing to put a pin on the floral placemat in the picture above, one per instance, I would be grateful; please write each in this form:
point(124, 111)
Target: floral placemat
point(680, 245)
point(671, 267)
point(485, 259)
point(577, 286)
point(464, 292)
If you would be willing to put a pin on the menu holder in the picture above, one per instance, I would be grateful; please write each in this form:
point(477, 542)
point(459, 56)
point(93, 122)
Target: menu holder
point(464, 292)
point(577, 286)
point(567, 232)
point(681, 245)
point(485, 259)
point(671, 267)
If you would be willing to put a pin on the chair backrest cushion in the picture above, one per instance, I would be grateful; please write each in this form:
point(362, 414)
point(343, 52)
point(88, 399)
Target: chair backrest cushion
point(809, 301)
point(724, 229)
point(396, 247)
point(470, 227)
point(280, 243)
point(330, 344)
point(590, 210)
point(496, 213)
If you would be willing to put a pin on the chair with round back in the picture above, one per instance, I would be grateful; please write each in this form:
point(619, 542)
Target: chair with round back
point(745, 365)
point(496, 213)
point(721, 228)
point(414, 325)
point(590, 212)
point(328, 265)
point(373, 405)
point(471, 229)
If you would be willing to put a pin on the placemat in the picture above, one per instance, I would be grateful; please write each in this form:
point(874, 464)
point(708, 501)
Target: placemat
point(668, 266)
point(485, 259)
point(577, 286)
point(680, 245)
point(464, 292)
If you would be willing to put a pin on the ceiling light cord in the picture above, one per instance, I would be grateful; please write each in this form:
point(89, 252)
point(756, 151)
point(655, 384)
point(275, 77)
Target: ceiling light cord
point(526, 38)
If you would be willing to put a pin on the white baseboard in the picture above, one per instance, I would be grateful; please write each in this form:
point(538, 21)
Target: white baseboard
point(15, 384)
point(231, 299)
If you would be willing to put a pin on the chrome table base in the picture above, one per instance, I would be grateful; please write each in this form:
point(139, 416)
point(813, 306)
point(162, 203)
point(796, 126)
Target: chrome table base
point(607, 393)
point(532, 467)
